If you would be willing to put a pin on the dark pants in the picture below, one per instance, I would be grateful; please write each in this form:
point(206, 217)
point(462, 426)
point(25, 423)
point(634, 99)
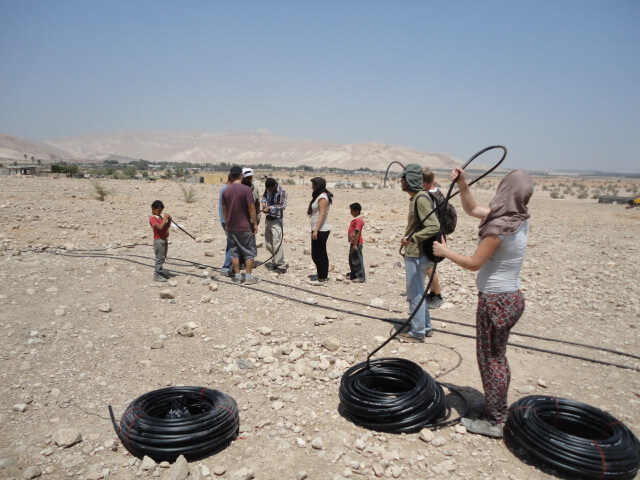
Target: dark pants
point(319, 254)
point(160, 247)
point(356, 262)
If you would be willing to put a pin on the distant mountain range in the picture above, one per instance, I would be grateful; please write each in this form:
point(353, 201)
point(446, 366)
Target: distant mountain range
point(243, 148)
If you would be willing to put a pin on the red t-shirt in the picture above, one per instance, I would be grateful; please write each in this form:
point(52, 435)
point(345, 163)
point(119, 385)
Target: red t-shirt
point(356, 224)
point(158, 232)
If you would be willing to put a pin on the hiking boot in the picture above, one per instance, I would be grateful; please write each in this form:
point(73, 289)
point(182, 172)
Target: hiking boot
point(159, 278)
point(408, 338)
point(482, 427)
point(251, 280)
point(434, 301)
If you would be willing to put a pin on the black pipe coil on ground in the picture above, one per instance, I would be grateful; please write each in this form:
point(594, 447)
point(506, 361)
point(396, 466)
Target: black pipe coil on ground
point(391, 395)
point(574, 437)
point(209, 423)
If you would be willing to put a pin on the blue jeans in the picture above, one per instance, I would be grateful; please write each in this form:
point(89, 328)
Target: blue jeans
point(416, 270)
point(226, 267)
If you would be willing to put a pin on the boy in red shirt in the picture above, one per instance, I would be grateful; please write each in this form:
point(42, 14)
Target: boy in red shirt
point(160, 228)
point(356, 261)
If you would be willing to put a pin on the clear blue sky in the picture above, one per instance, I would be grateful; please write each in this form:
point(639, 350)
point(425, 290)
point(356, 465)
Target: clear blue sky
point(556, 82)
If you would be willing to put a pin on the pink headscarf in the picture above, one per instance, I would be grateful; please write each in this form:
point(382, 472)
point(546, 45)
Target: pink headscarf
point(509, 205)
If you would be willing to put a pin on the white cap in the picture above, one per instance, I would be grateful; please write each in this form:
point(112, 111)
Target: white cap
point(247, 172)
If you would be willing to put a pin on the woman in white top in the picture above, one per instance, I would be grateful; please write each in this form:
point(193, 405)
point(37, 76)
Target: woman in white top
point(318, 213)
point(498, 259)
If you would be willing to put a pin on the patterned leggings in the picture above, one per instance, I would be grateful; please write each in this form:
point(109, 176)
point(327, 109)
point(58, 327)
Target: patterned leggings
point(496, 315)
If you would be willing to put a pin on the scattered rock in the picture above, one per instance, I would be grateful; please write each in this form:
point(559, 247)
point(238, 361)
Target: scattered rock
point(104, 307)
point(32, 472)
point(180, 469)
point(185, 330)
point(66, 437)
point(332, 344)
point(166, 294)
point(242, 474)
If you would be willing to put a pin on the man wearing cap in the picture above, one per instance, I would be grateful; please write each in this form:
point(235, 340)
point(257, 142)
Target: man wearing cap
point(241, 225)
point(247, 179)
point(415, 261)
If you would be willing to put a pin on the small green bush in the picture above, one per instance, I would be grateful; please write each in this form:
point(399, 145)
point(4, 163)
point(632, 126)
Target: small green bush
point(100, 192)
point(188, 193)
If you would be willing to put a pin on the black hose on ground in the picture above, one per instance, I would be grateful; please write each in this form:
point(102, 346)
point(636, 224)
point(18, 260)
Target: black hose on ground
point(166, 423)
point(574, 437)
point(391, 395)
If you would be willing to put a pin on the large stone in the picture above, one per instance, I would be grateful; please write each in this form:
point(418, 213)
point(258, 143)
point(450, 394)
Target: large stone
point(243, 474)
point(332, 344)
point(180, 469)
point(32, 472)
point(66, 437)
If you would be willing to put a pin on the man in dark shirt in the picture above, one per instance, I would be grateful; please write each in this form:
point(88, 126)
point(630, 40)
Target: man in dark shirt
point(241, 226)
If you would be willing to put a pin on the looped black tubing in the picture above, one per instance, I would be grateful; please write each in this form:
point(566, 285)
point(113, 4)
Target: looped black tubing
point(257, 264)
point(145, 430)
point(574, 437)
point(182, 229)
point(391, 395)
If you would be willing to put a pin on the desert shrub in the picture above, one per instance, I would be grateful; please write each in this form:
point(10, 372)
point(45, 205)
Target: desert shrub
point(556, 194)
point(583, 194)
point(100, 192)
point(188, 193)
point(288, 181)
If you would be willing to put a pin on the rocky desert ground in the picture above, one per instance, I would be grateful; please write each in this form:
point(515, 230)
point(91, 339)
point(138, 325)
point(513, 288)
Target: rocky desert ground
point(83, 326)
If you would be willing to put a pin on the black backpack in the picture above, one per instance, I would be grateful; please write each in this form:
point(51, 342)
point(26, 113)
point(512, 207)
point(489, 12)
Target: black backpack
point(447, 218)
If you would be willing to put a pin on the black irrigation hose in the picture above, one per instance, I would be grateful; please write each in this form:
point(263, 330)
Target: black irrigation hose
point(574, 437)
point(391, 395)
point(200, 422)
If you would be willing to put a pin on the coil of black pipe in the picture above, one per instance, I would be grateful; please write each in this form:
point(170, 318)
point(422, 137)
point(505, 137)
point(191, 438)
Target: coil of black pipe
point(574, 437)
point(166, 423)
point(391, 395)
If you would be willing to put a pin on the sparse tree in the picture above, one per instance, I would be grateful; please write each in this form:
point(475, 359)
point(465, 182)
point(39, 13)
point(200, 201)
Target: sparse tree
point(100, 192)
point(188, 193)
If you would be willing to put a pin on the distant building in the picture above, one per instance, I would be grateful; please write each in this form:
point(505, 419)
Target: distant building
point(616, 200)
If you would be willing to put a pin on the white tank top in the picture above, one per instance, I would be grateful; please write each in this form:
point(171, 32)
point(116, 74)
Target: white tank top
point(315, 214)
point(501, 273)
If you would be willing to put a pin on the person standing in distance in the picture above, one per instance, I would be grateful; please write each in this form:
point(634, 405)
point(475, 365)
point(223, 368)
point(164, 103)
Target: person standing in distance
point(241, 226)
point(415, 260)
point(318, 212)
point(247, 179)
point(274, 201)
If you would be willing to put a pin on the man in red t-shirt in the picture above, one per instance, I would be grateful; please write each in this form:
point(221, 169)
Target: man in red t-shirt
point(356, 261)
point(160, 228)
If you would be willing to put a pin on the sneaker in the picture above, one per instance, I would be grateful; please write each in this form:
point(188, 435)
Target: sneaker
point(166, 273)
point(319, 283)
point(251, 280)
point(270, 266)
point(280, 271)
point(239, 279)
point(482, 427)
point(428, 333)
point(357, 280)
point(159, 278)
point(408, 338)
point(434, 301)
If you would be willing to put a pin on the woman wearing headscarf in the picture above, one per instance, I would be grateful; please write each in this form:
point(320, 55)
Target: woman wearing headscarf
point(318, 213)
point(503, 232)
